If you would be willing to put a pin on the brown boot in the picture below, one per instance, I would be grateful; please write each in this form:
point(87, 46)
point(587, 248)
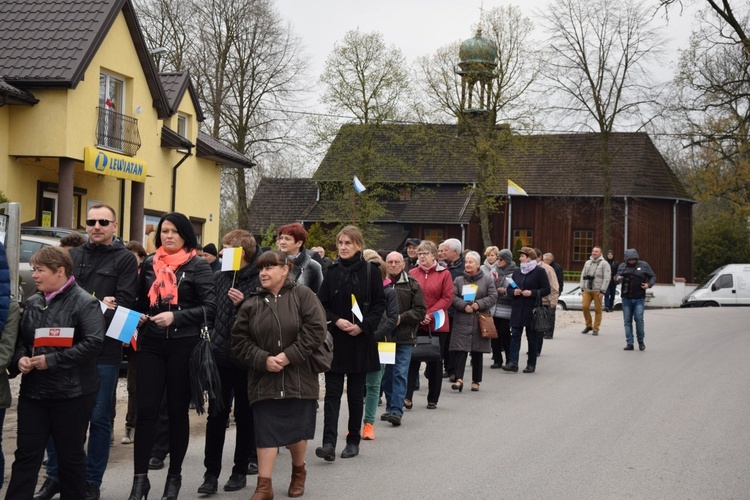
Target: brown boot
point(297, 486)
point(264, 490)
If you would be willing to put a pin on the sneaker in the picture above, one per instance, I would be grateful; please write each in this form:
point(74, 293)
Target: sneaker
point(128, 437)
point(641, 346)
point(368, 433)
point(628, 347)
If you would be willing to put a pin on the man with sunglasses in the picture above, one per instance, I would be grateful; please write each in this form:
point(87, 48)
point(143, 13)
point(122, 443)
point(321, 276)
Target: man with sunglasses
point(105, 268)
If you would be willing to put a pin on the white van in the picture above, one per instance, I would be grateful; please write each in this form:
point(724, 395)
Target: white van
point(727, 286)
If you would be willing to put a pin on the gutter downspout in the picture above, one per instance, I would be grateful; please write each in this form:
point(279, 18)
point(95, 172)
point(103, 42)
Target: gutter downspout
point(674, 239)
point(174, 177)
point(510, 209)
point(625, 239)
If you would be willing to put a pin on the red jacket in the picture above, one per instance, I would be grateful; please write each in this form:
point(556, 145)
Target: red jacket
point(437, 288)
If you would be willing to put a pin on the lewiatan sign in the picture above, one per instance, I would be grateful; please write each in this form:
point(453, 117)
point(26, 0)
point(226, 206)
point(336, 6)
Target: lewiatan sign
point(114, 165)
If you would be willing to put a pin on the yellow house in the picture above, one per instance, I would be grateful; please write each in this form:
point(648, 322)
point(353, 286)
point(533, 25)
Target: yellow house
point(85, 118)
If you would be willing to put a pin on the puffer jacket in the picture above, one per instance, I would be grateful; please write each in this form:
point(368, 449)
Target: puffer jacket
point(107, 270)
point(437, 289)
point(307, 271)
point(410, 306)
point(72, 370)
point(247, 282)
point(195, 294)
point(600, 271)
point(465, 334)
point(632, 277)
point(292, 322)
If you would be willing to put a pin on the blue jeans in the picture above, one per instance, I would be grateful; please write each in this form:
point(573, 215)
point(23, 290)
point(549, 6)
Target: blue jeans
point(395, 378)
point(633, 309)
point(100, 430)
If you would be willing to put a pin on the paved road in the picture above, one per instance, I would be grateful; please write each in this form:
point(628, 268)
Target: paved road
point(594, 422)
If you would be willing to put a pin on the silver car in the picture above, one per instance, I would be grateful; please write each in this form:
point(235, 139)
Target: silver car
point(573, 299)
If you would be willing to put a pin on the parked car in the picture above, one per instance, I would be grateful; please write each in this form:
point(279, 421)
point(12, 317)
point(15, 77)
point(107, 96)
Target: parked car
point(727, 286)
point(29, 246)
point(574, 300)
point(52, 232)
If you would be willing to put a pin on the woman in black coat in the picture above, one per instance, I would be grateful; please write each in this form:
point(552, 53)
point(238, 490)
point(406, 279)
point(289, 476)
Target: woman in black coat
point(176, 295)
point(355, 350)
point(530, 282)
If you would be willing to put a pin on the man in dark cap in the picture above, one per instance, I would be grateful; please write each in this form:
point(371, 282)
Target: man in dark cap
point(212, 257)
point(410, 253)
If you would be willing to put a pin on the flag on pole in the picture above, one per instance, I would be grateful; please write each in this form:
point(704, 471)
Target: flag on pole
point(469, 292)
point(387, 353)
point(123, 325)
point(355, 309)
point(514, 188)
point(53, 337)
point(439, 317)
point(358, 186)
point(231, 259)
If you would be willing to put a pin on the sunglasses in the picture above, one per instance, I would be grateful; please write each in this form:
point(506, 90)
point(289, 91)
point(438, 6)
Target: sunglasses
point(102, 222)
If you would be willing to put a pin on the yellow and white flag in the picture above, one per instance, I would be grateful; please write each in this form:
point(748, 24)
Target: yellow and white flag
point(387, 353)
point(355, 309)
point(515, 189)
point(231, 259)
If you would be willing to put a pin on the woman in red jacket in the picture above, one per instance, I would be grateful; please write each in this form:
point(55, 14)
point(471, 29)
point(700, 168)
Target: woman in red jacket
point(437, 288)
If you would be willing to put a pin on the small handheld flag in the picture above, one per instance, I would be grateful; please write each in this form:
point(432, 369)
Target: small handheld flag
point(387, 353)
point(358, 186)
point(514, 188)
point(469, 292)
point(355, 309)
point(231, 259)
point(123, 325)
point(439, 317)
point(53, 337)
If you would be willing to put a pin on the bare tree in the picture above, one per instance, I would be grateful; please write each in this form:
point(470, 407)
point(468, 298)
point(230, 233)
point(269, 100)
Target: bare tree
point(599, 54)
point(167, 27)
point(725, 12)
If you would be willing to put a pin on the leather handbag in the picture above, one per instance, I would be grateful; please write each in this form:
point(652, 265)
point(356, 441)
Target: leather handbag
point(426, 348)
point(321, 358)
point(486, 325)
point(541, 317)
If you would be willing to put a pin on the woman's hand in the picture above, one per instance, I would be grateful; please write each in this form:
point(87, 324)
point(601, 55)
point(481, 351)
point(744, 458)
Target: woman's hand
point(236, 296)
point(143, 319)
point(468, 309)
point(24, 364)
point(163, 319)
point(474, 306)
point(39, 362)
point(348, 327)
point(427, 319)
point(501, 291)
point(276, 363)
point(526, 293)
point(517, 292)
point(110, 302)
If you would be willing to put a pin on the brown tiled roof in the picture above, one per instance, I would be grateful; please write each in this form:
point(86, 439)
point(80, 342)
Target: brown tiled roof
point(175, 84)
point(544, 165)
point(279, 201)
point(214, 149)
point(50, 43)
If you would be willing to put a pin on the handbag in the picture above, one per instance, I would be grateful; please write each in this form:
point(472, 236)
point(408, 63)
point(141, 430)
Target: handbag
point(486, 325)
point(204, 374)
point(426, 348)
point(321, 358)
point(540, 316)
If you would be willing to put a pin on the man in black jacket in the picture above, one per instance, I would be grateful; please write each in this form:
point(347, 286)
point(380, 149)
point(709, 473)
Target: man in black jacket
point(232, 288)
point(105, 268)
point(635, 276)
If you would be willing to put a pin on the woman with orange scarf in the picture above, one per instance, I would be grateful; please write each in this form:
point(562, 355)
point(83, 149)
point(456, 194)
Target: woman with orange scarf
point(176, 289)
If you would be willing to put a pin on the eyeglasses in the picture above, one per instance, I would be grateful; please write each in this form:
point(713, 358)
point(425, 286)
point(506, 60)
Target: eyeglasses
point(102, 222)
point(422, 254)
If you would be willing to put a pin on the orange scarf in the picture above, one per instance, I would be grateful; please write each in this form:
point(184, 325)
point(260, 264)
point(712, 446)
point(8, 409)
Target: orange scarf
point(164, 288)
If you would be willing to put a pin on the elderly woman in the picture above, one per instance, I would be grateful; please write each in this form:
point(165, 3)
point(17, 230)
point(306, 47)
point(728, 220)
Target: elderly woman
point(291, 240)
point(61, 335)
point(473, 292)
point(437, 289)
point(350, 280)
point(176, 295)
point(276, 330)
point(502, 275)
point(530, 284)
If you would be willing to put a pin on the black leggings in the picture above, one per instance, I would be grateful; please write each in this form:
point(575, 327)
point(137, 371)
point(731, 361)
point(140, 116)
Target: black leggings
point(163, 364)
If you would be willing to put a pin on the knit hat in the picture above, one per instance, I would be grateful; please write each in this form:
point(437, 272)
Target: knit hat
point(211, 248)
point(506, 255)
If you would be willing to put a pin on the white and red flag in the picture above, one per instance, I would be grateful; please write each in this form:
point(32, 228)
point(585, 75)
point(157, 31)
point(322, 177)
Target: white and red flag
point(54, 337)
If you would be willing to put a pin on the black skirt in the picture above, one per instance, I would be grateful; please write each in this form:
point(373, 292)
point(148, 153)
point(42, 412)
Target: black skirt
point(281, 422)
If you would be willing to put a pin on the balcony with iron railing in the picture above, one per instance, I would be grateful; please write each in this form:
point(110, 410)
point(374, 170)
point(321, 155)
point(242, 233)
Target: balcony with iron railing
point(117, 132)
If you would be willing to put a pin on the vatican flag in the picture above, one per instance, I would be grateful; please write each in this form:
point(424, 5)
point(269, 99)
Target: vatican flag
point(515, 189)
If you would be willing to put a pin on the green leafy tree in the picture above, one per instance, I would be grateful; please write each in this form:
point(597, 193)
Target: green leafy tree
point(268, 236)
point(719, 239)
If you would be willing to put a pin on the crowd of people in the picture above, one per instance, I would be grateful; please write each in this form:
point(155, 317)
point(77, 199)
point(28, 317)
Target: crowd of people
point(268, 318)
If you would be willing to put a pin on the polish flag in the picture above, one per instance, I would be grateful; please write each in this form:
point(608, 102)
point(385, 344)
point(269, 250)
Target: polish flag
point(53, 337)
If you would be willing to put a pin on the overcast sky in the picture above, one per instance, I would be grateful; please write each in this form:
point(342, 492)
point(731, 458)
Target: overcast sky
point(417, 27)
